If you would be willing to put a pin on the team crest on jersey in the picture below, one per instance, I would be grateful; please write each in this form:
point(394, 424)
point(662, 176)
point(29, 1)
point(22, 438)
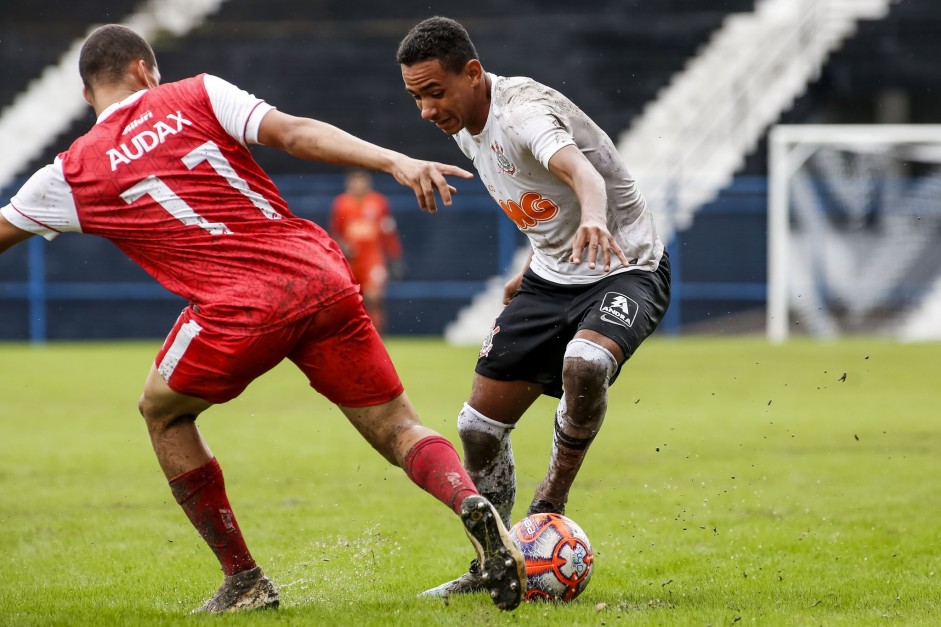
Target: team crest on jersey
point(488, 343)
point(505, 164)
point(618, 309)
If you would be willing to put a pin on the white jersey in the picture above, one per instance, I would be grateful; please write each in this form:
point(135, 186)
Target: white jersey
point(528, 123)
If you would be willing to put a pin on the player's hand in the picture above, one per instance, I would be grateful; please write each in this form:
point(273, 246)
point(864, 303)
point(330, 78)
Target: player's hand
point(511, 288)
point(425, 177)
point(595, 237)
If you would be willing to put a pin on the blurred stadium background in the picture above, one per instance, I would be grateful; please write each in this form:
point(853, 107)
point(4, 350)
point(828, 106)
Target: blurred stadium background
point(692, 90)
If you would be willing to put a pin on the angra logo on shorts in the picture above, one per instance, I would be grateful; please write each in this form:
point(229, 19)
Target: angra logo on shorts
point(621, 309)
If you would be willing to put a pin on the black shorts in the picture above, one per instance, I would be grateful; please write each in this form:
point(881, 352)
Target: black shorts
point(529, 337)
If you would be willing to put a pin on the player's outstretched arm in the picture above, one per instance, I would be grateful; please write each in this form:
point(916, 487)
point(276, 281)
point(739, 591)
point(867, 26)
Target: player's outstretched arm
point(313, 140)
point(11, 235)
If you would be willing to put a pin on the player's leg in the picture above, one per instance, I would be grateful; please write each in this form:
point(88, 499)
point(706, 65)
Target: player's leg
point(488, 457)
point(374, 288)
point(617, 315)
point(171, 423)
point(485, 424)
point(519, 361)
point(373, 302)
point(189, 359)
point(590, 361)
point(197, 484)
point(394, 430)
point(516, 362)
point(345, 360)
point(359, 377)
point(432, 463)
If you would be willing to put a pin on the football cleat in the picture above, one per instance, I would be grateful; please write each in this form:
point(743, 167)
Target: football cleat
point(502, 570)
point(538, 506)
point(467, 583)
point(247, 590)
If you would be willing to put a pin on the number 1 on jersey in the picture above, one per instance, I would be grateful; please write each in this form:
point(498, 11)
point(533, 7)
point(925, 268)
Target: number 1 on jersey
point(178, 208)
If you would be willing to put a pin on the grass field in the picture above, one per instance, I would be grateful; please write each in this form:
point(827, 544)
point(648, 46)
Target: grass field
point(733, 482)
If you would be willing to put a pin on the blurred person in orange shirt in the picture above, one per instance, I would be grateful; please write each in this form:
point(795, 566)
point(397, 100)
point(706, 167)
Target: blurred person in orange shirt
point(365, 229)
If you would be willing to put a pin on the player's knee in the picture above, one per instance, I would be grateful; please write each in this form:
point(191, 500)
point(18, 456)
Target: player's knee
point(482, 437)
point(587, 367)
point(160, 418)
point(488, 458)
point(474, 425)
point(149, 410)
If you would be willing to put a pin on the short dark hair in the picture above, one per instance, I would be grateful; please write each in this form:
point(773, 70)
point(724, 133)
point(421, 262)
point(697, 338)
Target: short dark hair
point(437, 38)
point(108, 51)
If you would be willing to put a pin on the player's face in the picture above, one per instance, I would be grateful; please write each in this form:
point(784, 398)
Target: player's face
point(449, 101)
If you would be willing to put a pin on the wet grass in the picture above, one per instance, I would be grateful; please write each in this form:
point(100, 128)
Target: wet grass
point(733, 482)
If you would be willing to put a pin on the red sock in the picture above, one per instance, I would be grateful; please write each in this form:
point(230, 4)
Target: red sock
point(201, 494)
point(433, 464)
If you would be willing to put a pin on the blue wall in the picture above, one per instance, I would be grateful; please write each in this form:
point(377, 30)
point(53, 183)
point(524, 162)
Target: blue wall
point(82, 287)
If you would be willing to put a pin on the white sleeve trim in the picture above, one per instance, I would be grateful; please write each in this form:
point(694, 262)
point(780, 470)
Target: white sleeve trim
point(239, 112)
point(44, 205)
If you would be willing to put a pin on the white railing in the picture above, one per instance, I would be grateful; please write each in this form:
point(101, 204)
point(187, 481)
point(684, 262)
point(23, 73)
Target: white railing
point(54, 100)
point(689, 142)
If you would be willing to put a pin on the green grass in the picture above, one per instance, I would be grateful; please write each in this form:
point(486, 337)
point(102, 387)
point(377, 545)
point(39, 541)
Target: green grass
point(733, 482)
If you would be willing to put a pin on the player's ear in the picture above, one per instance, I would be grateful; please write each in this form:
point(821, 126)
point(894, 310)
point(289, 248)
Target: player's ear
point(473, 70)
point(86, 94)
point(144, 75)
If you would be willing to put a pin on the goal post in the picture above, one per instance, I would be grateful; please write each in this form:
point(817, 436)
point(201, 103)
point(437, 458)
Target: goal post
point(854, 231)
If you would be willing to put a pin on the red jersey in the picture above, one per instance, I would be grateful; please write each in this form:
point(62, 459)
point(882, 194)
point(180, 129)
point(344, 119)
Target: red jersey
point(366, 228)
point(161, 177)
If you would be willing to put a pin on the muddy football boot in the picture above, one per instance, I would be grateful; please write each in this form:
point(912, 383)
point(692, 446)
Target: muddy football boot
point(500, 563)
point(467, 583)
point(247, 590)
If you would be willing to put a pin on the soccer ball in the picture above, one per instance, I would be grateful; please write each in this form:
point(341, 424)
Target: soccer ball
point(558, 555)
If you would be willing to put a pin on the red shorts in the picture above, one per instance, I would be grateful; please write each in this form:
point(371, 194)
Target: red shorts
point(337, 348)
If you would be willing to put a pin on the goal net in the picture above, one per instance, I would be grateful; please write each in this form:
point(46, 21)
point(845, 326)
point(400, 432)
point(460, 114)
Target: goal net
point(854, 231)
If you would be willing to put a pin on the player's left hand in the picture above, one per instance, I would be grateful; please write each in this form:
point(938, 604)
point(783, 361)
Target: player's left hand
point(512, 287)
point(596, 237)
point(424, 177)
